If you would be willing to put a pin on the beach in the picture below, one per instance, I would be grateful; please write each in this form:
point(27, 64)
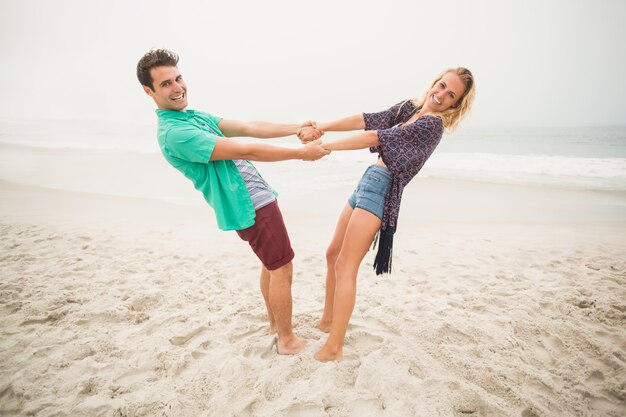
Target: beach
point(120, 296)
point(505, 299)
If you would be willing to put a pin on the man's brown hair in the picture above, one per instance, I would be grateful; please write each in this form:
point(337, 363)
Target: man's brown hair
point(153, 59)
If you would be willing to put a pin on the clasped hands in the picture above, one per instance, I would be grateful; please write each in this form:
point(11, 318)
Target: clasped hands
point(309, 132)
point(310, 136)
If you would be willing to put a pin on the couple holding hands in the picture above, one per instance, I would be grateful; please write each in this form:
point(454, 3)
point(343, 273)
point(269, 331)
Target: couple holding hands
point(403, 136)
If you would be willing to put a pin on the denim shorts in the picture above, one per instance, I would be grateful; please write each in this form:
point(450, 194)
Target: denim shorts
point(372, 190)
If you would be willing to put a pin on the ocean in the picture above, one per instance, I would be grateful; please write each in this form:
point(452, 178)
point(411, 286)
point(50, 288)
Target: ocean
point(592, 158)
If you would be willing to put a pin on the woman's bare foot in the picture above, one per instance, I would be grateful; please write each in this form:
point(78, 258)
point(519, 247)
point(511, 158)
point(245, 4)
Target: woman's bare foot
point(325, 355)
point(324, 326)
point(291, 346)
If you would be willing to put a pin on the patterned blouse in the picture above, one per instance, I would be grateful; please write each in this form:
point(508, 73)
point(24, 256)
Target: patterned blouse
point(404, 149)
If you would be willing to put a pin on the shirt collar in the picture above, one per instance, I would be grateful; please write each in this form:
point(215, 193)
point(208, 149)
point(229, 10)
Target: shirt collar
point(171, 114)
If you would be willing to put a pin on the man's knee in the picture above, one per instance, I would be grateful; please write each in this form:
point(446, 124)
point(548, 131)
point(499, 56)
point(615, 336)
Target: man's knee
point(282, 273)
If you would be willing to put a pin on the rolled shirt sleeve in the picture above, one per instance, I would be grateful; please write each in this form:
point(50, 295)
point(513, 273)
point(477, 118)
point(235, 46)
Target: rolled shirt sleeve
point(191, 144)
point(382, 120)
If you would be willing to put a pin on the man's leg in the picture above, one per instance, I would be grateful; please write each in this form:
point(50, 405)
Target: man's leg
point(280, 303)
point(265, 290)
point(269, 240)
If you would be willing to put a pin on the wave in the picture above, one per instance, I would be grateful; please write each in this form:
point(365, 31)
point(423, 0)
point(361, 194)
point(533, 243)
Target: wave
point(594, 173)
point(119, 144)
point(613, 168)
point(586, 172)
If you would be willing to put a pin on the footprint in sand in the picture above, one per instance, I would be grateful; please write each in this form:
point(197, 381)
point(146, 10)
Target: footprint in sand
point(620, 307)
point(373, 323)
point(144, 302)
point(555, 345)
point(468, 403)
point(596, 376)
point(529, 412)
point(248, 332)
point(202, 349)
point(304, 410)
point(610, 338)
point(584, 303)
point(133, 376)
point(50, 318)
point(197, 354)
point(542, 355)
point(91, 387)
point(181, 340)
point(367, 408)
point(416, 370)
point(257, 351)
point(365, 343)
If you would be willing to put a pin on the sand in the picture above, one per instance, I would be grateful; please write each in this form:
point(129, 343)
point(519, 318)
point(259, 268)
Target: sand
point(504, 301)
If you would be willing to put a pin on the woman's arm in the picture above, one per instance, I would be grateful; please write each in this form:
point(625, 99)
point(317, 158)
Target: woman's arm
point(355, 122)
point(360, 140)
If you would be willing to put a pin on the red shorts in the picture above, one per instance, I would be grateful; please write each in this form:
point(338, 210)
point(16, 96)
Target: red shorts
point(268, 237)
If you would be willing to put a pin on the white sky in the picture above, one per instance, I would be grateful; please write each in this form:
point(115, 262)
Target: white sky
point(558, 63)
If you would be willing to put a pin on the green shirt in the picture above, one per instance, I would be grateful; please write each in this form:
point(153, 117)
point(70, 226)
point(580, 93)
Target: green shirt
point(187, 140)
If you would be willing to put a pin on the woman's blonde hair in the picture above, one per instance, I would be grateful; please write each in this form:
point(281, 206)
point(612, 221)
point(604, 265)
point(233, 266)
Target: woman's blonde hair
point(453, 116)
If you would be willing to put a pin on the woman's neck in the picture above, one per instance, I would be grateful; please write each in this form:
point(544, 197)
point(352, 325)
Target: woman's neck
point(421, 111)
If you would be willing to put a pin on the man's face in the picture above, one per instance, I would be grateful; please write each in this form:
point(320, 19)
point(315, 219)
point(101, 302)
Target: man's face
point(170, 91)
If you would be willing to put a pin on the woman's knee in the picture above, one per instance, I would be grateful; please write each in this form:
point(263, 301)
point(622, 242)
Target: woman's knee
point(346, 267)
point(332, 253)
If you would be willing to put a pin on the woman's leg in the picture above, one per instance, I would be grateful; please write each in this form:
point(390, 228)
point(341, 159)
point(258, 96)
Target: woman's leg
point(332, 253)
point(361, 229)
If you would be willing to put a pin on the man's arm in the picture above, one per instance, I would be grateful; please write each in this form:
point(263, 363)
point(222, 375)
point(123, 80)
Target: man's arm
point(360, 140)
point(263, 130)
point(232, 149)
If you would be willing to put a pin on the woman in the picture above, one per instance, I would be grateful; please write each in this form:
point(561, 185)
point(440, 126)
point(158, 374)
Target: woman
point(404, 136)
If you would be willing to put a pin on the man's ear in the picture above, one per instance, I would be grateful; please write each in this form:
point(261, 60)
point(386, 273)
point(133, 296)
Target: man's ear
point(148, 90)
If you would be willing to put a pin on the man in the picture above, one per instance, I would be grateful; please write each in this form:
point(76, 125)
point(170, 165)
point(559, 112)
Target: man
point(194, 143)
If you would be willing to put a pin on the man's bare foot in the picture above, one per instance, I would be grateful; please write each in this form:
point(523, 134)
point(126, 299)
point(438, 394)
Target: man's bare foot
point(325, 355)
point(291, 347)
point(324, 326)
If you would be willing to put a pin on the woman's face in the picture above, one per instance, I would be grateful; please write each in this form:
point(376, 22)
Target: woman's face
point(445, 93)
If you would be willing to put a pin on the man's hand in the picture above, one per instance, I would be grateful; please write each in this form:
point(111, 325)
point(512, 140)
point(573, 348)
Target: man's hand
point(309, 132)
point(313, 151)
